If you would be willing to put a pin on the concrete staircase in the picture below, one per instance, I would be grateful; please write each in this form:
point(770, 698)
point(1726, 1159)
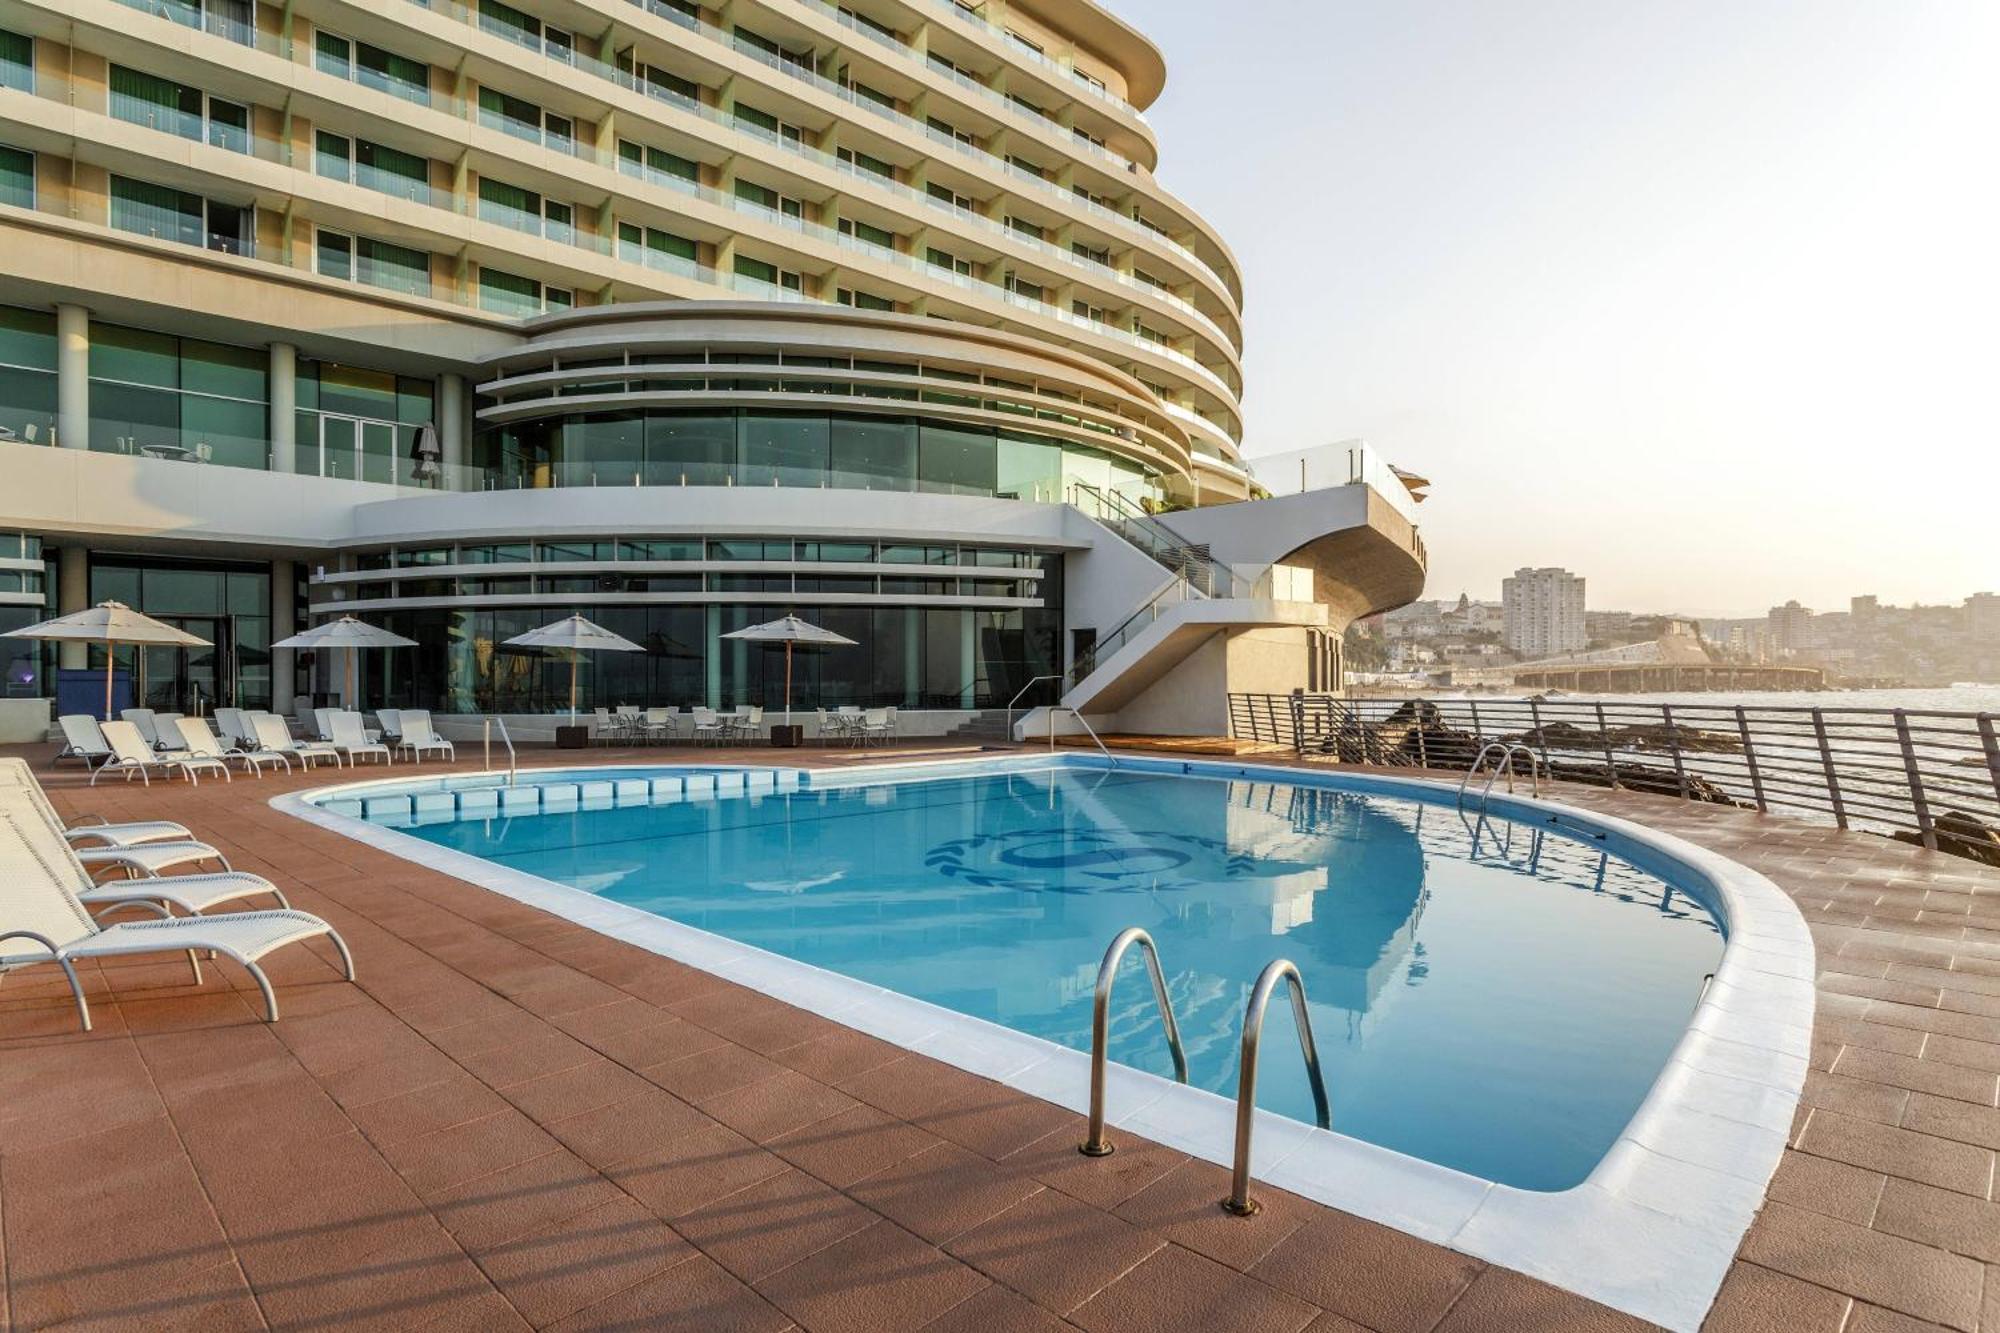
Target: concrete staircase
point(987, 724)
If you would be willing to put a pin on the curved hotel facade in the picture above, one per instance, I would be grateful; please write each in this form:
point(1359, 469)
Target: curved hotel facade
point(461, 317)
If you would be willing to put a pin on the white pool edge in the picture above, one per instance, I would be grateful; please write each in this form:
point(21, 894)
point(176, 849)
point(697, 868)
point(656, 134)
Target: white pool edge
point(1653, 1229)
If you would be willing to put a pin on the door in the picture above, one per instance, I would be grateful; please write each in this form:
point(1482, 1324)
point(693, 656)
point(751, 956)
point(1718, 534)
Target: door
point(194, 681)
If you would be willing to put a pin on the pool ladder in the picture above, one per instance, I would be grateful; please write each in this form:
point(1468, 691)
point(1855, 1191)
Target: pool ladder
point(1278, 972)
point(1505, 768)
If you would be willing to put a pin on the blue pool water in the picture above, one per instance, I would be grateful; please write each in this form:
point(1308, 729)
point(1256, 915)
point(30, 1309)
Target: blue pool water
point(1489, 996)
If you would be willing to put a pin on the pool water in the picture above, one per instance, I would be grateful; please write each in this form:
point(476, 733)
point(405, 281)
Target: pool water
point(1490, 996)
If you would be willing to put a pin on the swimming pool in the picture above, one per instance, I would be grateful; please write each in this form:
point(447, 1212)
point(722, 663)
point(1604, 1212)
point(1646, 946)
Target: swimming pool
point(1496, 998)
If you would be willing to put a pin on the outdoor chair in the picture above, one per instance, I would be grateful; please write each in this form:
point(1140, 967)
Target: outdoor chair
point(708, 726)
point(202, 742)
point(37, 909)
point(234, 730)
point(352, 740)
point(323, 723)
point(131, 754)
point(132, 833)
point(392, 723)
point(272, 735)
point(874, 726)
point(190, 893)
point(146, 721)
point(82, 739)
point(420, 739)
point(662, 723)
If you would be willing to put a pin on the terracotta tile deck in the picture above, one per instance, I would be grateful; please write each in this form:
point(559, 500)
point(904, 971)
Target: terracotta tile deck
point(514, 1122)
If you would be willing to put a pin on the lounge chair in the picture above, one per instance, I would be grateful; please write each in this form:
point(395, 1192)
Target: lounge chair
point(234, 729)
point(143, 719)
point(392, 723)
point(352, 740)
point(419, 738)
point(272, 735)
point(38, 909)
point(203, 743)
point(190, 893)
point(82, 739)
point(14, 773)
point(130, 754)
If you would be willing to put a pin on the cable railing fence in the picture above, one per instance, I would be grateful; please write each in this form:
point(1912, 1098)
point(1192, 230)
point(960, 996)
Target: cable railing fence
point(1922, 776)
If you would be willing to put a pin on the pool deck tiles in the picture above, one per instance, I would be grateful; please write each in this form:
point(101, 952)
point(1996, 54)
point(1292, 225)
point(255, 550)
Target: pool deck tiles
point(514, 1122)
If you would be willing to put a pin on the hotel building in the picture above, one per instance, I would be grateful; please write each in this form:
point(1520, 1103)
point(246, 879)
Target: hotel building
point(461, 317)
point(1541, 613)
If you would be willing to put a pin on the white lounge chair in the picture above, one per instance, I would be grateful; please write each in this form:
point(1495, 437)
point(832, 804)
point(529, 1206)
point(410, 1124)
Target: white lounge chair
point(37, 909)
point(130, 754)
point(82, 739)
point(392, 723)
point(190, 893)
point(419, 738)
point(203, 743)
point(234, 730)
point(351, 739)
point(143, 719)
point(272, 735)
point(15, 773)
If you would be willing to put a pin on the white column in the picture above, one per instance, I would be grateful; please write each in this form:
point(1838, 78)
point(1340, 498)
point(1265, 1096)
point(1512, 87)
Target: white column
point(284, 415)
point(72, 595)
point(283, 626)
point(73, 377)
point(453, 435)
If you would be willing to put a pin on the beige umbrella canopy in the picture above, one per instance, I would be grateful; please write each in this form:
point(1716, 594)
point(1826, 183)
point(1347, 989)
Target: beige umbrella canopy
point(792, 632)
point(579, 636)
point(351, 634)
point(109, 623)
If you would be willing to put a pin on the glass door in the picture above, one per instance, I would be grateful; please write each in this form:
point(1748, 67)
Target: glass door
point(378, 451)
point(357, 449)
point(337, 439)
point(193, 681)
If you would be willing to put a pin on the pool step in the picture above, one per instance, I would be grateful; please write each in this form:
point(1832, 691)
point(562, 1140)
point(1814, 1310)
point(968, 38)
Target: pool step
point(498, 800)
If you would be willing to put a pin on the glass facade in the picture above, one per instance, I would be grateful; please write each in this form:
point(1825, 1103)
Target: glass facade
point(158, 396)
point(27, 375)
point(747, 447)
point(228, 605)
point(360, 424)
point(23, 662)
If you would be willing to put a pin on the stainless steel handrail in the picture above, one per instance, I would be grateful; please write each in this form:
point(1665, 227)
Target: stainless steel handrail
point(1096, 1145)
point(486, 740)
point(1017, 698)
point(1505, 766)
point(1088, 730)
point(1239, 1201)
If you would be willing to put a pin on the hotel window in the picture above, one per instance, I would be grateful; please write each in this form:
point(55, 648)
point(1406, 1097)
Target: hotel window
point(372, 166)
point(161, 104)
point(873, 25)
point(1095, 256)
point(510, 23)
point(769, 199)
point(154, 395)
point(862, 90)
point(1027, 228)
point(1149, 279)
point(769, 274)
point(524, 210)
point(1019, 40)
point(947, 130)
point(160, 211)
point(1085, 310)
point(27, 374)
point(873, 165)
point(657, 249)
point(17, 61)
point(1150, 334)
point(372, 263)
point(937, 258)
point(1026, 105)
point(645, 160)
point(765, 125)
point(233, 19)
point(510, 294)
point(1031, 290)
point(1088, 137)
point(1023, 164)
point(659, 83)
point(372, 67)
point(17, 177)
point(524, 120)
point(950, 198)
point(756, 40)
point(879, 237)
point(864, 300)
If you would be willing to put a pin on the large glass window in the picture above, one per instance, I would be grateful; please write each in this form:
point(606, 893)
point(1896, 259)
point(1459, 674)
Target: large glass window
point(875, 453)
point(690, 450)
point(17, 177)
point(788, 449)
point(373, 263)
point(161, 104)
point(508, 293)
point(181, 399)
point(1028, 469)
point(17, 61)
point(167, 214)
point(27, 375)
point(956, 459)
point(371, 66)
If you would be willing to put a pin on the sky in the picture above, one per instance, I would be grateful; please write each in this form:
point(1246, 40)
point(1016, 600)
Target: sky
point(1700, 300)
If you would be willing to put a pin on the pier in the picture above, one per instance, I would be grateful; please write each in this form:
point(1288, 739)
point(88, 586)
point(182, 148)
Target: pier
point(1663, 678)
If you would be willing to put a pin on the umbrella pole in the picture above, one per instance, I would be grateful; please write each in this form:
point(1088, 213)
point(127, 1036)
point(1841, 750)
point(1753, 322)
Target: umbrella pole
point(110, 662)
point(788, 683)
point(574, 657)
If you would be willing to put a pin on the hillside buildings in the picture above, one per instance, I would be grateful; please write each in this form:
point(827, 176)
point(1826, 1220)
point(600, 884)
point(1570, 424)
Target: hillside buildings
point(1542, 610)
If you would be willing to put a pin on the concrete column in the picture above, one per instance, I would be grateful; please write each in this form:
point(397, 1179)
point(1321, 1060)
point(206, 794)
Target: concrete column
point(72, 595)
point(454, 435)
point(283, 626)
point(73, 377)
point(284, 409)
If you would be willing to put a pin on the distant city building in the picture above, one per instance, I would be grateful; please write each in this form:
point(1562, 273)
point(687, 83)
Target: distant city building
point(1982, 619)
point(1542, 612)
point(1864, 608)
point(1791, 627)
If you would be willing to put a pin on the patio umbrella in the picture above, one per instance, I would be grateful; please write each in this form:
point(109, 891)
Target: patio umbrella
point(790, 631)
point(109, 623)
point(580, 636)
point(426, 453)
point(348, 633)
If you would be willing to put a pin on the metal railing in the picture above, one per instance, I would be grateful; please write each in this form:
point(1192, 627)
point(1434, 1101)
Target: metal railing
point(513, 761)
point(1096, 1144)
point(1928, 777)
point(1505, 767)
point(1278, 970)
point(1018, 694)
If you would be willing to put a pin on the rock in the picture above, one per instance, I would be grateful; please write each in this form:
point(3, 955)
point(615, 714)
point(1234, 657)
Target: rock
point(1960, 834)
